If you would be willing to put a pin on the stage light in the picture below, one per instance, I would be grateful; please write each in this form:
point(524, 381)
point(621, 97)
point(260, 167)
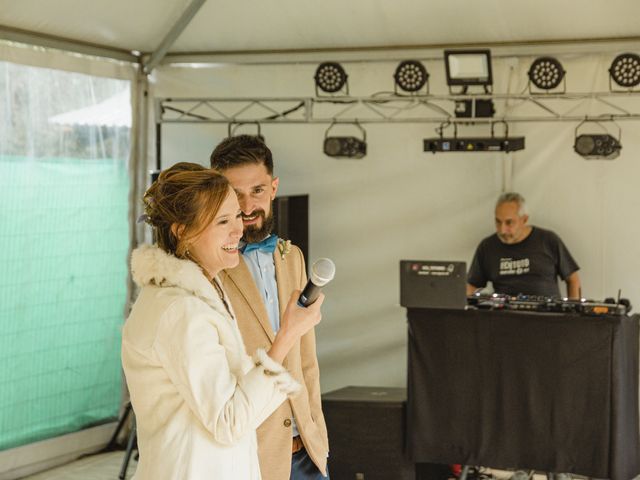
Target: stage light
point(345, 146)
point(473, 144)
point(546, 73)
point(625, 70)
point(599, 145)
point(459, 144)
point(468, 67)
point(411, 76)
point(330, 77)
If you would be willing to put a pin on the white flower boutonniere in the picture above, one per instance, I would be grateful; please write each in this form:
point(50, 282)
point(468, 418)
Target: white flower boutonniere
point(284, 247)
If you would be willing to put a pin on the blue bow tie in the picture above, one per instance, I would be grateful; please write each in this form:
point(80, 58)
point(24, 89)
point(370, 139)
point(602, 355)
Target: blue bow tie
point(267, 245)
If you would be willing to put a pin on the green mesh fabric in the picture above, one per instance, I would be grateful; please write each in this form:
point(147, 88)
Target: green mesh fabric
point(63, 271)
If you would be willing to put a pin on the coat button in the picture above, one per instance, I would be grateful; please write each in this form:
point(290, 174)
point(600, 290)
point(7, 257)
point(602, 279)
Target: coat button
point(287, 422)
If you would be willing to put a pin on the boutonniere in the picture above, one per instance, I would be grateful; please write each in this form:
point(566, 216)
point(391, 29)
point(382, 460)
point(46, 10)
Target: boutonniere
point(284, 247)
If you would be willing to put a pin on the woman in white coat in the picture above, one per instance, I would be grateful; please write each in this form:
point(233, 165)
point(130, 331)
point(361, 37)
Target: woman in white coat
point(198, 397)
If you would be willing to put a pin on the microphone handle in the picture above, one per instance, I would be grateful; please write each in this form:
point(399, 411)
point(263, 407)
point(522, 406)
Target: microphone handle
point(309, 294)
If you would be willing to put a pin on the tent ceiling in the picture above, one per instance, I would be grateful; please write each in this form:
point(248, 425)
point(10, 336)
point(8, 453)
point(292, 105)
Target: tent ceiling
point(287, 25)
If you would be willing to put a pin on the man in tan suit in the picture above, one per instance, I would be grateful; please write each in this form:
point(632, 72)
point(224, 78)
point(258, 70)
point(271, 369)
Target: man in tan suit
point(292, 442)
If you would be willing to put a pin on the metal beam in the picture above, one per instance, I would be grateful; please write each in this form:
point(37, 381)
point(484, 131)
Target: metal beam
point(66, 44)
point(402, 52)
point(418, 120)
point(397, 109)
point(171, 37)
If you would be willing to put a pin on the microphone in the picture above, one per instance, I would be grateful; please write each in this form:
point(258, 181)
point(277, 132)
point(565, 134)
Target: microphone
point(322, 272)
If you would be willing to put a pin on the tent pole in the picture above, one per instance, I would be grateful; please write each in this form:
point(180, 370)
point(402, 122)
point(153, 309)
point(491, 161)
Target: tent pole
point(158, 145)
point(51, 41)
point(174, 33)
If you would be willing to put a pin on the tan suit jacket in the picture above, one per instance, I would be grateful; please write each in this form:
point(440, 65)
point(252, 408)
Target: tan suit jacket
point(274, 435)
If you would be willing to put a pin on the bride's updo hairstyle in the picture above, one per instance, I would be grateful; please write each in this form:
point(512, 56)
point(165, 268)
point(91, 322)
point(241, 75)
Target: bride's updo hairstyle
point(188, 196)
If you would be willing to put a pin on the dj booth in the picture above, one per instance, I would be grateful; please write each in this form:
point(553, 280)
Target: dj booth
point(554, 392)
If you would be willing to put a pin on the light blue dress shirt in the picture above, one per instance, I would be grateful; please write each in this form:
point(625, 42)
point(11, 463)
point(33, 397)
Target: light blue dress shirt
point(263, 270)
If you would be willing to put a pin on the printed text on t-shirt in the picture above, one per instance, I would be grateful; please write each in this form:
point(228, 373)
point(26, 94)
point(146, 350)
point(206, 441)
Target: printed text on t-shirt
point(509, 266)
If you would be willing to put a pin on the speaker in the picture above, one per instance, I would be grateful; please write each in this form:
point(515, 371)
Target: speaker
point(366, 427)
point(366, 434)
point(291, 216)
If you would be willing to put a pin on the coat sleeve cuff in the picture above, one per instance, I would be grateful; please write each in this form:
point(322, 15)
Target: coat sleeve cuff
point(283, 380)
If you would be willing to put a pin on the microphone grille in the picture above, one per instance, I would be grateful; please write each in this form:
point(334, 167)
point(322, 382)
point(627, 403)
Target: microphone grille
point(322, 271)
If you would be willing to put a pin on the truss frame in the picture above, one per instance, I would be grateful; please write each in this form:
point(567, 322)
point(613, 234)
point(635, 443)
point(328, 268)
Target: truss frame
point(389, 108)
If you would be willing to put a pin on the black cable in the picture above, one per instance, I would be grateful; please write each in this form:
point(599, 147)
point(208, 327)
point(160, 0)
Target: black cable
point(286, 112)
point(188, 114)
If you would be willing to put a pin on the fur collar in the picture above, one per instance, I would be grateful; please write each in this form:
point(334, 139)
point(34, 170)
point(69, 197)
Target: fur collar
point(150, 265)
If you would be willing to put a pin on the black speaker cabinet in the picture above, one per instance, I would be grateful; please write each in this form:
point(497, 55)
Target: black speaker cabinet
point(366, 434)
point(291, 215)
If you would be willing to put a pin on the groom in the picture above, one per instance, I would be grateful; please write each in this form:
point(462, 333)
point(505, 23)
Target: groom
point(292, 442)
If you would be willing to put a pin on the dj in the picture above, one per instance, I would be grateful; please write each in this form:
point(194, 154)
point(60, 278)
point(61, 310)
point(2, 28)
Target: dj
point(520, 258)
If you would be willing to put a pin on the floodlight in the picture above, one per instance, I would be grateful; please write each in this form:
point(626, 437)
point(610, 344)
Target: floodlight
point(625, 70)
point(468, 67)
point(330, 77)
point(345, 147)
point(546, 73)
point(601, 146)
point(411, 76)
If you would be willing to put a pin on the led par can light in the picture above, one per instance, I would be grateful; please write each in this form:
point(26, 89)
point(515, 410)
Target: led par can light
point(330, 77)
point(625, 70)
point(546, 73)
point(411, 76)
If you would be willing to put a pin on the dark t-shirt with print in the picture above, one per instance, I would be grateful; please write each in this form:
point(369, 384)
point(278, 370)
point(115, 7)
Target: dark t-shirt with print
point(530, 267)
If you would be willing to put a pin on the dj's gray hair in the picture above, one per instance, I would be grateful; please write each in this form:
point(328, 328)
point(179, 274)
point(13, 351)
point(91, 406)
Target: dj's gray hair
point(516, 198)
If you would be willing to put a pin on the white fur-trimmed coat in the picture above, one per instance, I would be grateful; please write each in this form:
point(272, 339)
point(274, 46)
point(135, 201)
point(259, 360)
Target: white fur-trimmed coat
point(198, 397)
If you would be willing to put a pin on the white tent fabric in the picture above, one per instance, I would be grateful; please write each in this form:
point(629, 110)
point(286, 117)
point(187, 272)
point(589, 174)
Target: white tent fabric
point(247, 25)
point(113, 112)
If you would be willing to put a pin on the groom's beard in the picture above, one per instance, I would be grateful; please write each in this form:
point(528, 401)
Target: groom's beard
point(253, 233)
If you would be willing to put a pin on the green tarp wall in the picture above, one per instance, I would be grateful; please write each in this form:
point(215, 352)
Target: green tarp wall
point(63, 276)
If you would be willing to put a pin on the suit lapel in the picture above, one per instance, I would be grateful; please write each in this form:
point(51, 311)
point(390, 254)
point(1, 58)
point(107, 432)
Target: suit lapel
point(243, 281)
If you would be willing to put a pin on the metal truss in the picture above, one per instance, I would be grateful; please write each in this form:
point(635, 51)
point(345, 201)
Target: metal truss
point(390, 108)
